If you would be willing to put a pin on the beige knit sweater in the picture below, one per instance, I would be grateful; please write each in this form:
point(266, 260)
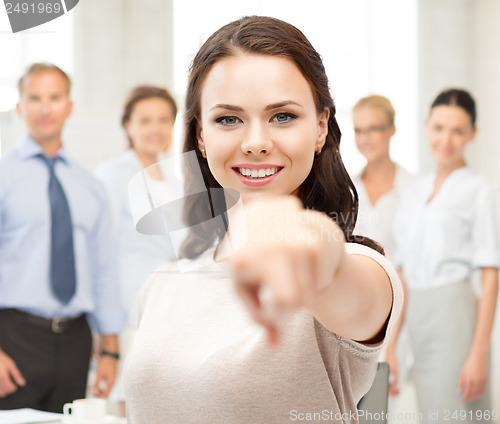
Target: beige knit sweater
point(198, 358)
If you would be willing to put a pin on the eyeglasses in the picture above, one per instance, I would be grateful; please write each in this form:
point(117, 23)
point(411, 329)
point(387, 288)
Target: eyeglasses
point(371, 130)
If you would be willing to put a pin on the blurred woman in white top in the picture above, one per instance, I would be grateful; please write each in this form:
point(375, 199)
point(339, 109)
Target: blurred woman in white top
point(148, 119)
point(379, 187)
point(379, 183)
point(447, 227)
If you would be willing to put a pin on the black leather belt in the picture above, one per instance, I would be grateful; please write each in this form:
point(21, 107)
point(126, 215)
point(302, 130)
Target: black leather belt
point(55, 325)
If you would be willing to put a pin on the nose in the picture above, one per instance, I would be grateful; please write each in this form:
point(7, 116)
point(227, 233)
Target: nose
point(156, 127)
point(257, 140)
point(447, 138)
point(45, 106)
point(360, 135)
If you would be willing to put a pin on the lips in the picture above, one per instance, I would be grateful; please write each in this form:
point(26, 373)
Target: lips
point(44, 122)
point(257, 175)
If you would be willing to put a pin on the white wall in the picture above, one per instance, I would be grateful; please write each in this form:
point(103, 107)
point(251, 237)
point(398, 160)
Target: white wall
point(485, 77)
point(445, 45)
point(459, 41)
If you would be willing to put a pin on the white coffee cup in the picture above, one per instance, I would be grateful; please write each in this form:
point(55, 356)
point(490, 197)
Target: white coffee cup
point(85, 411)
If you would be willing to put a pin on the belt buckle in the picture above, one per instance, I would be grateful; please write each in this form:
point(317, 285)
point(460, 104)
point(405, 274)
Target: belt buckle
point(57, 325)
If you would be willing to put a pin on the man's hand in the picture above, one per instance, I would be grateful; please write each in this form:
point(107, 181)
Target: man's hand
point(107, 366)
point(106, 376)
point(10, 376)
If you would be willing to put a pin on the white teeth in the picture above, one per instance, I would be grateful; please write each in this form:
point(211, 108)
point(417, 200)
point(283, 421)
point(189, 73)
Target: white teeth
point(257, 173)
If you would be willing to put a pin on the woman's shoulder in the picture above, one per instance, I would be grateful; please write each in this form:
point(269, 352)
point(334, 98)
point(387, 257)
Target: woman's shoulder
point(403, 176)
point(468, 186)
point(476, 179)
point(360, 249)
point(123, 166)
point(357, 178)
point(416, 187)
point(395, 282)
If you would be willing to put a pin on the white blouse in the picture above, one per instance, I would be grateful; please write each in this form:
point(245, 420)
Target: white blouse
point(375, 221)
point(443, 240)
point(139, 254)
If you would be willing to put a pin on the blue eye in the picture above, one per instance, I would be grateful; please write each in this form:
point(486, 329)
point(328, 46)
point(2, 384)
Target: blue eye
point(283, 117)
point(228, 120)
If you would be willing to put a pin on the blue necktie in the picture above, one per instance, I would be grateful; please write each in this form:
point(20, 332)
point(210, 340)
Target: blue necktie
point(62, 258)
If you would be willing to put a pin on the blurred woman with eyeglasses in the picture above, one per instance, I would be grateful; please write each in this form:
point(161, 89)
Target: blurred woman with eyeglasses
point(379, 187)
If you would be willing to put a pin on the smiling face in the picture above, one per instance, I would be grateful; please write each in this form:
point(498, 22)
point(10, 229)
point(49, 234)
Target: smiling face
point(150, 126)
point(373, 132)
point(449, 129)
point(45, 105)
point(259, 126)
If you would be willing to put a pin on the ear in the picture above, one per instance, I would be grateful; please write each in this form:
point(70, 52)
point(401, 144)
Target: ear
point(126, 126)
point(199, 137)
point(323, 129)
point(70, 109)
point(474, 133)
point(19, 110)
point(393, 130)
point(427, 127)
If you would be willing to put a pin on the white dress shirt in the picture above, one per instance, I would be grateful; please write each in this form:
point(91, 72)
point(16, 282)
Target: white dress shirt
point(375, 221)
point(443, 240)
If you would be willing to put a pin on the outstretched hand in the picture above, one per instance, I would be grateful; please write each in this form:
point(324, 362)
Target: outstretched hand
point(290, 255)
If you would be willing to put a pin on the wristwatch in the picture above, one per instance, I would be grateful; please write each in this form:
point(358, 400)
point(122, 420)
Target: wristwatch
point(110, 354)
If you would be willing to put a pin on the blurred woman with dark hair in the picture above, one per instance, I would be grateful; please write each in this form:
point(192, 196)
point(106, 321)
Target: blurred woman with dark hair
point(447, 227)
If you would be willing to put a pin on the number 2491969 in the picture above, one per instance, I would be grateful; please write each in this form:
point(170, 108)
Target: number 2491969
point(35, 7)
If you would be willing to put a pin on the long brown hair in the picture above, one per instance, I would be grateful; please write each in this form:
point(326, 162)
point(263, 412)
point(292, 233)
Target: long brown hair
point(328, 187)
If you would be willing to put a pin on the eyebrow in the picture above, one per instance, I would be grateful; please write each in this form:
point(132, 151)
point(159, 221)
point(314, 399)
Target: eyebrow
point(227, 107)
point(268, 107)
